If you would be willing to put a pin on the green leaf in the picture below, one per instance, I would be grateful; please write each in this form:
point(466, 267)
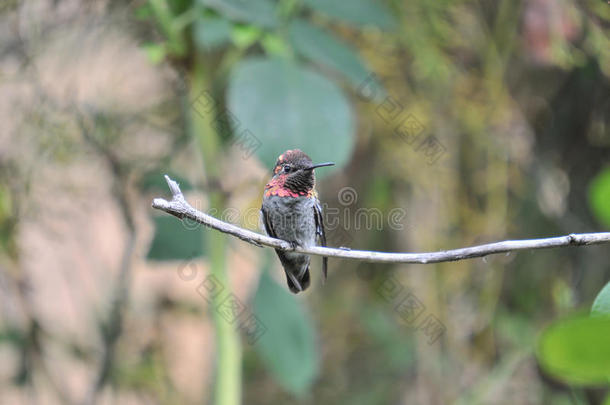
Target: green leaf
point(324, 48)
point(211, 32)
point(359, 12)
point(245, 35)
point(154, 52)
point(175, 239)
point(288, 346)
point(286, 106)
point(576, 350)
point(601, 305)
point(259, 12)
point(599, 196)
point(274, 45)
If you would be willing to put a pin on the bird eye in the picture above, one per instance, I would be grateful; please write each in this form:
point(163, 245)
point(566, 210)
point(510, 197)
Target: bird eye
point(287, 168)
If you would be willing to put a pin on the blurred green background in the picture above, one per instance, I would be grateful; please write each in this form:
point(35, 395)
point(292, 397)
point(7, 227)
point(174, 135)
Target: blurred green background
point(451, 123)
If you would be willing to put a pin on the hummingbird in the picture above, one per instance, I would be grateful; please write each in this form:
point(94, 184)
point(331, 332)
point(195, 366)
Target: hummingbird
point(291, 211)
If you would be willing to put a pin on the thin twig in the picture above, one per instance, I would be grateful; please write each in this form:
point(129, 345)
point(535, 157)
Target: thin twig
point(180, 208)
point(113, 327)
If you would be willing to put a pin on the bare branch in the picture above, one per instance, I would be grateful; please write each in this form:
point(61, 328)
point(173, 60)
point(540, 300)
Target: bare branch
point(180, 208)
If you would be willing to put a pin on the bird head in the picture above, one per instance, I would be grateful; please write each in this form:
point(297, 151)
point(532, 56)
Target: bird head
point(293, 174)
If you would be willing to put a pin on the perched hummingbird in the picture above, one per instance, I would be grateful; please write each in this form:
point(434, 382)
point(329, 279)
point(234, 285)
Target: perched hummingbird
point(291, 211)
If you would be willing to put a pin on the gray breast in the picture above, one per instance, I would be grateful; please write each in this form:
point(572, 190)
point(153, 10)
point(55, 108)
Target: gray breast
point(292, 219)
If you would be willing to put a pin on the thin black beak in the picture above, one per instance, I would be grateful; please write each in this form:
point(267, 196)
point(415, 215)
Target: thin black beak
point(320, 165)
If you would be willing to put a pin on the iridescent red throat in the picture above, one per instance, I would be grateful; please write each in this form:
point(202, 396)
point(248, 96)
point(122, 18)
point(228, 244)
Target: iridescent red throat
point(285, 186)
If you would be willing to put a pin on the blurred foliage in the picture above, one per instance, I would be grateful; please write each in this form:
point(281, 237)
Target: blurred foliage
point(288, 344)
point(599, 197)
point(175, 240)
point(576, 350)
point(154, 181)
point(314, 43)
point(284, 105)
point(515, 96)
point(601, 305)
point(358, 12)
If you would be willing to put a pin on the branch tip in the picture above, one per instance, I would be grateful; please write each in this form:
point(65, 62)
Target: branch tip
point(159, 203)
point(174, 187)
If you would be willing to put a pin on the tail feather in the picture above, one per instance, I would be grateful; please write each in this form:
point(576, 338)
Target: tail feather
point(296, 267)
point(297, 284)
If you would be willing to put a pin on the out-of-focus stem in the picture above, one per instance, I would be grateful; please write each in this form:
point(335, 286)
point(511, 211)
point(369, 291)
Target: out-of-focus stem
point(228, 349)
